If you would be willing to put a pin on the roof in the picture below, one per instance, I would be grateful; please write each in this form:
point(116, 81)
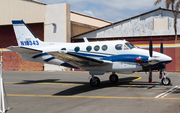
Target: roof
point(91, 17)
point(39, 2)
point(123, 21)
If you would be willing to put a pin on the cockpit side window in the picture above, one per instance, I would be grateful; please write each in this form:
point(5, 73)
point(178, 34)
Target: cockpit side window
point(129, 45)
point(118, 46)
point(125, 47)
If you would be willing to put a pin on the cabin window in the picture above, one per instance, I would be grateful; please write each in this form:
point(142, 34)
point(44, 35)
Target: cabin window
point(104, 47)
point(96, 48)
point(76, 49)
point(63, 49)
point(88, 48)
point(118, 46)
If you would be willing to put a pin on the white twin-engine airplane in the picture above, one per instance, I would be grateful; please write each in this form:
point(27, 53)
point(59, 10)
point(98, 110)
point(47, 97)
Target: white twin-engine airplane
point(98, 58)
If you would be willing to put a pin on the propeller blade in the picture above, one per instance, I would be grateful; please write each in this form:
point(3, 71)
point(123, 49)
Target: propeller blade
point(150, 74)
point(161, 48)
point(160, 73)
point(150, 48)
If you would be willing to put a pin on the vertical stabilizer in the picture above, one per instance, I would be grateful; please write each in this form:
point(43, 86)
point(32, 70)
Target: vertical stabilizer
point(24, 36)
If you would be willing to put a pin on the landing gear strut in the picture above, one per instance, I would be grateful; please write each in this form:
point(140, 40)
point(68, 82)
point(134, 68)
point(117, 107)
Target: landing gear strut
point(165, 80)
point(94, 81)
point(113, 78)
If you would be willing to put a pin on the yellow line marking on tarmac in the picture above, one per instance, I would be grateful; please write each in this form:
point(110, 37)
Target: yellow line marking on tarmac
point(131, 86)
point(63, 84)
point(138, 77)
point(100, 97)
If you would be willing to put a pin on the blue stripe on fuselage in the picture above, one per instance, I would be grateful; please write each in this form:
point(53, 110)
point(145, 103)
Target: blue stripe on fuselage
point(126, 58)
point(85, 54)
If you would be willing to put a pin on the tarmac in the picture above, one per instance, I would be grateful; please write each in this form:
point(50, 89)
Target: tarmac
point(70, 92)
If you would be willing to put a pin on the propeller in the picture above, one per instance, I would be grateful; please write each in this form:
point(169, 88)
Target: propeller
point(161, 48)
point(160, 71)
point(150, 54)
point(150, 48)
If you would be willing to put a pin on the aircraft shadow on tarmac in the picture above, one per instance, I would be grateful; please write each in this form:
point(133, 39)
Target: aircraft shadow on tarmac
point(39, 81)
point(78, 89)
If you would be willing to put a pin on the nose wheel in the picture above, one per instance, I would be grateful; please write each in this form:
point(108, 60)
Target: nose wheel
point(165, 80)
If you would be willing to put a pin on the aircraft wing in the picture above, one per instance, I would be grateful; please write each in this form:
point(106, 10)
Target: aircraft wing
point(76, 59)
point(24, 50)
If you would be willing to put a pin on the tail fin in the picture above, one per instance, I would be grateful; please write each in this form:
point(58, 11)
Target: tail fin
point(24, 36)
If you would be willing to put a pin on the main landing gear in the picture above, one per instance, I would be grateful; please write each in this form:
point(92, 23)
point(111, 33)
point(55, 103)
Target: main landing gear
point(165, 80)
point(95, 81)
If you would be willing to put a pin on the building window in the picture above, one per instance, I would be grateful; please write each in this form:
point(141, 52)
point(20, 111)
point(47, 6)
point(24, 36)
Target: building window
point(96, 48)
point(118, 46)
point(104, 47)
point(76, 49)
point(63, 49)
point(88, 48)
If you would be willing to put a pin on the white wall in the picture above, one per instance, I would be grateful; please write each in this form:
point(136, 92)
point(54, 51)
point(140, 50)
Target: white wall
point(58, 14)
point(139, 26)
point(29, 11)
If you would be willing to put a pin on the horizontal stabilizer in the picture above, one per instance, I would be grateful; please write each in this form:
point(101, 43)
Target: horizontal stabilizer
point(24, 50)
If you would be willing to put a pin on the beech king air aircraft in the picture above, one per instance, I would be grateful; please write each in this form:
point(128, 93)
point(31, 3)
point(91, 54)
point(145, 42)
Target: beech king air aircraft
point(98, 58)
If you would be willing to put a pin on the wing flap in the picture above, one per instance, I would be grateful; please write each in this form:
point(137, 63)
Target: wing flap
point(76, 59)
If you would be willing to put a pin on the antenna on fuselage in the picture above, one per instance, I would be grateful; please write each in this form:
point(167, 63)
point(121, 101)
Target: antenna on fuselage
point(85, 39)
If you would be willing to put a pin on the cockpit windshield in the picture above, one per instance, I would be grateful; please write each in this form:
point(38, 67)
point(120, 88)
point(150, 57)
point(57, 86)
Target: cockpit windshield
point(129, 45)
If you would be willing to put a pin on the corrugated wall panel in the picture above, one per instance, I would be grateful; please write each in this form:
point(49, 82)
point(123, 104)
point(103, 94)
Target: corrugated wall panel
point(171, 67)
point(177, 57)
point(29, 11)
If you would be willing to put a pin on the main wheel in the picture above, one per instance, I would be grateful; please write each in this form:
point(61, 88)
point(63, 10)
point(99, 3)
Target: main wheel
point(113, 78)
point(165, 81)
point(94, 82)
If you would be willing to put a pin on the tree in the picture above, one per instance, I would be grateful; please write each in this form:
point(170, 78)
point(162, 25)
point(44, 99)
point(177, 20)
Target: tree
point(172, 3)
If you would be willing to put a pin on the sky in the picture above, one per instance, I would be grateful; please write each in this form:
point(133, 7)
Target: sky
point(109, 10)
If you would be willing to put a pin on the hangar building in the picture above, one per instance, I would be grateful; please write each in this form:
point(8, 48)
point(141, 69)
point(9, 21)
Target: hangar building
point(50, 23)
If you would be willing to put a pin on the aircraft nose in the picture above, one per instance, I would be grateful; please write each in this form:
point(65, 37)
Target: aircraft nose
point(167, 59)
